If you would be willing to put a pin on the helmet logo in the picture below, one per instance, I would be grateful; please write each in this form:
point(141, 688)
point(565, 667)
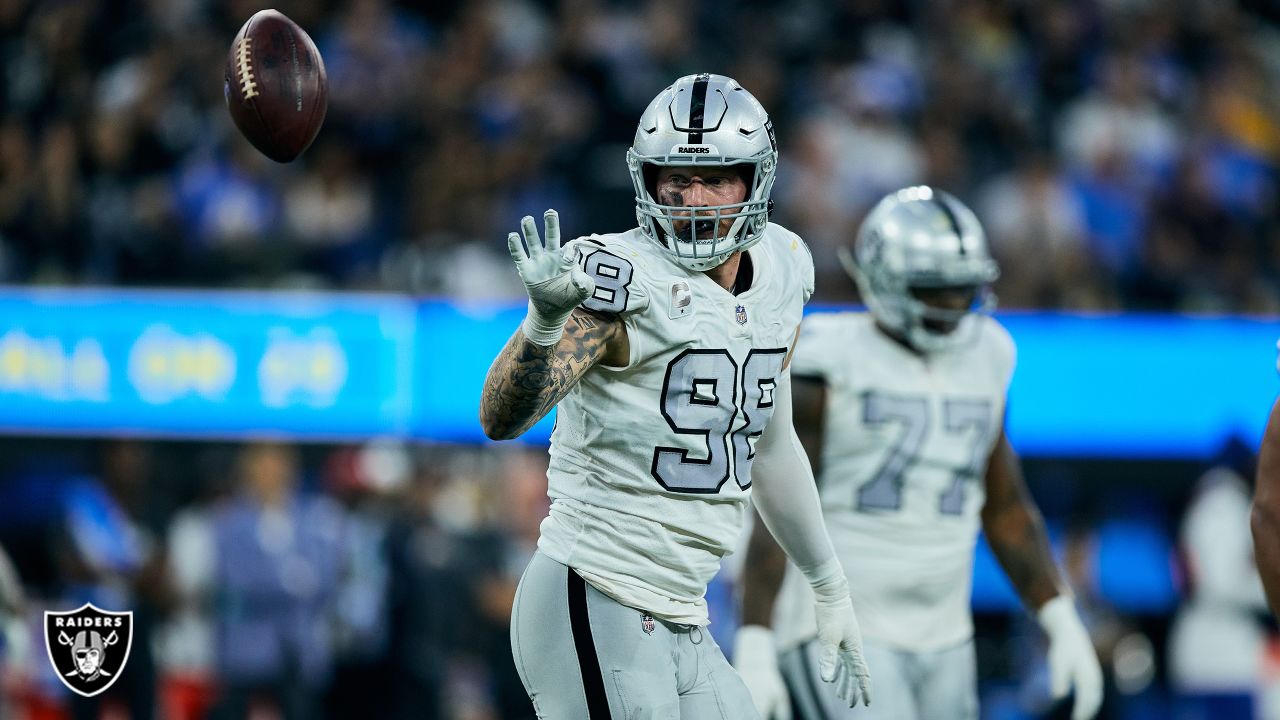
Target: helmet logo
point(695, 150)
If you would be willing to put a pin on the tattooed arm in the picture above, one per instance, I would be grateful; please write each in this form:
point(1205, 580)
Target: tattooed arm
point(1015, 530)
point(527, 380)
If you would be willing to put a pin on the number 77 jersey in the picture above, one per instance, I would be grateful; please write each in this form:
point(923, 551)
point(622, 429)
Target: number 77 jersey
point(651, 463)
point(904, 454)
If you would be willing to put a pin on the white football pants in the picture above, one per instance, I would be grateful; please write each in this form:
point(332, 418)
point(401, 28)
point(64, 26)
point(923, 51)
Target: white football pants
point(584, 656)
point(941, 685)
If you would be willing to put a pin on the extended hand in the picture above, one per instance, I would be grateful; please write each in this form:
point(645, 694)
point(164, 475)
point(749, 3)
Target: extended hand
point(552, 279)
point(1073, 663)
point(841, 640)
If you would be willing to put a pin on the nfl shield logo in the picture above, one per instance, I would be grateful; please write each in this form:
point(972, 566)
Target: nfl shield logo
point(88, 647)
point(740, 314)
point(646, 623)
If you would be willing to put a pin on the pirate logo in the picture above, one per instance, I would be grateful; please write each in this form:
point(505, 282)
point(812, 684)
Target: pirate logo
point(88, 647)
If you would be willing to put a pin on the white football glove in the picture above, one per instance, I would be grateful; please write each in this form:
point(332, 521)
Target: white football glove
point(551, 276)
point(841, 641)
point(756, 659)
point(1072, 660)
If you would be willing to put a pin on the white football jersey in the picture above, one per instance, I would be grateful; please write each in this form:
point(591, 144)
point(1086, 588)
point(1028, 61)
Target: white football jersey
point(905, 449)
point(650, 464)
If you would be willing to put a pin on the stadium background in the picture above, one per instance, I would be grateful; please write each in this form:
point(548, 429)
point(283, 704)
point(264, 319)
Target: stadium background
point(323, 326)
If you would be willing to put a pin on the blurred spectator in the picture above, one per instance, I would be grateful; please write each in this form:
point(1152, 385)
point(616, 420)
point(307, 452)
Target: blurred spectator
point(185, 641)
point(278, 557)
point(14, 641)
point(368, 480)
point(1217, 643)
point(109, 556)
point(1036, 225)
point(430, 604)
point(504, 550)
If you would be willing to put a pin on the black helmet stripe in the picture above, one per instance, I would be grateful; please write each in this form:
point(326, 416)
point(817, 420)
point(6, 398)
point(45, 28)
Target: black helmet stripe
point(697, 107)
point(951, 218)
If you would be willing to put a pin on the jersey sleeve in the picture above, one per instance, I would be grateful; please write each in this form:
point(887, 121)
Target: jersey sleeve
point(806, 269)
point(816, 357)
point(619, 288)
point(1004, 351)
point(801, 260)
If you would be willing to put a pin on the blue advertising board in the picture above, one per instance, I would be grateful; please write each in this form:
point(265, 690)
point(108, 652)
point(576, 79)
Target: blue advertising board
point(324, 366)
point(198, 364)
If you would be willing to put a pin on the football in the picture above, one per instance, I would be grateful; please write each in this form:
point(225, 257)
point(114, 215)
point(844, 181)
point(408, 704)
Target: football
point(275, 86)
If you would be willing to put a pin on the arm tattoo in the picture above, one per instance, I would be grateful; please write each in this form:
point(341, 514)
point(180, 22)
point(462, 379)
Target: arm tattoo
point(527, 380)
point(1015, 532)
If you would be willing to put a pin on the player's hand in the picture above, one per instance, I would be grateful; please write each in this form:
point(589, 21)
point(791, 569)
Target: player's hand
point(841, 642)
point(756, 659)
point(1073, 663)
point(551, 276)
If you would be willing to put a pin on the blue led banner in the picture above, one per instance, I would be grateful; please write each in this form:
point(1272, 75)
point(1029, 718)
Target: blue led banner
point(205, 364)
point(316, 366)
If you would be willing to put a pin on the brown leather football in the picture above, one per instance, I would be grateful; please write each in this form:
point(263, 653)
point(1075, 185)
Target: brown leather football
point(276, 87)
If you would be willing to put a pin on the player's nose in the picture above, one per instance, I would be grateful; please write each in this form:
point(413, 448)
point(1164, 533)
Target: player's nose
point(696, 194)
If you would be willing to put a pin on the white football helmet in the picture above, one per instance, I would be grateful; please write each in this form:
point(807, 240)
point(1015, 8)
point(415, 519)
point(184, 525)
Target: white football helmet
point(918, 239)
point(704, 120)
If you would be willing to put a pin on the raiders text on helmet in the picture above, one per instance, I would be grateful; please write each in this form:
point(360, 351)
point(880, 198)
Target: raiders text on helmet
point(919, 237)
point(704, 120)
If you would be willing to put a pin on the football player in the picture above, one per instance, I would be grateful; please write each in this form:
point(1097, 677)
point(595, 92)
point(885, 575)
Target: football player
point(665, 349)
point(1265, 515)
point(902, 410)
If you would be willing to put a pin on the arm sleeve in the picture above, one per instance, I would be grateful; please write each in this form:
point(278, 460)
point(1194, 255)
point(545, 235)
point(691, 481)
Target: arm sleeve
point(786, 497)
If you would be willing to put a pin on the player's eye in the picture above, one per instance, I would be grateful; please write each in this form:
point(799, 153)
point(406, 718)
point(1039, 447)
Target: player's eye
point(679, 181)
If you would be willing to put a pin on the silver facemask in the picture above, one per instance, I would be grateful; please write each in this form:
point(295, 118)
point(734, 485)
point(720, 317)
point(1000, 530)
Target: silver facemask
point(704, 120)
point(919, 238)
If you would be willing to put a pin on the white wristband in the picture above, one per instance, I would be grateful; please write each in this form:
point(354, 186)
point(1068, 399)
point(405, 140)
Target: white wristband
point(827, 580)
point(1056, 614)
point(754, 641)
point(542, 330)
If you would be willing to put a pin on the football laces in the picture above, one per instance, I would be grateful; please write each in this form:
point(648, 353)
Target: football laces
point(244, 66)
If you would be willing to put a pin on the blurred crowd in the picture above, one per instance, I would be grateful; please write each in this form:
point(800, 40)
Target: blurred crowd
point(271, 581)
point(1123, 153)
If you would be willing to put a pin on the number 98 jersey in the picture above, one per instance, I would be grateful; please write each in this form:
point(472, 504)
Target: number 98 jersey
point(650, 465)
point(904, 454)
